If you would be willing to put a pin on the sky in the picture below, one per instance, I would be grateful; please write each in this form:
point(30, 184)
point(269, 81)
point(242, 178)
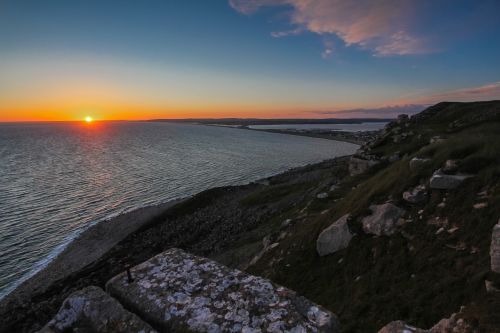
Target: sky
point(127, 59)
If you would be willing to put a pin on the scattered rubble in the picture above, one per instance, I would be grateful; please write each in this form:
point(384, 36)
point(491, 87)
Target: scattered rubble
point(359, 164)
point(454, 324)
point(416, 195)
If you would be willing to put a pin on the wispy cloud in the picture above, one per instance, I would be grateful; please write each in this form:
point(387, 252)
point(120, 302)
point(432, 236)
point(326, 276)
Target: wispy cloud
point(382, 26)
point(328, 49)
point(487, 91)
point(390, 111)
point(293, 32)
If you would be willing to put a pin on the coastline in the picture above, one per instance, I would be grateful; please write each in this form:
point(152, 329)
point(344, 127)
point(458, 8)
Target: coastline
point(87, 247)
point(357, 138)
point(106, 248)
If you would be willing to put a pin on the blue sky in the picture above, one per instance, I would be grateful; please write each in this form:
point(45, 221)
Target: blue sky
point(269, 58)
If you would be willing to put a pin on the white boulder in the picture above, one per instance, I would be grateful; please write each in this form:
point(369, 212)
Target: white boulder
point(382, 220)
point(334, 238)
point(442, 181)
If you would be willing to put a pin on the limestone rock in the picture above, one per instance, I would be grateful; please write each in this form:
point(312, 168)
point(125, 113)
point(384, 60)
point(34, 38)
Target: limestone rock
point(400, 327)
point(495, 248)
point(453, 324)
point(382, 220)
point(394, 157)
point(491, 287)
point(360, 164)
point(436, 139)
point(450, 166)
point(416, 162)
point(334, 238)
point(176, 290)
point(442, 181)
point(92, 310)
point(416, 195)
point(322, 195)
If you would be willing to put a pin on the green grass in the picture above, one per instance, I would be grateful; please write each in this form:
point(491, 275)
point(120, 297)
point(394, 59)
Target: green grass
point(273, 193)
point(420, 279)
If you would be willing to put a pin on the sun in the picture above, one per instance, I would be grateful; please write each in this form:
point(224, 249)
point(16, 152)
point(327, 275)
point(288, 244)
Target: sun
point(89, 119)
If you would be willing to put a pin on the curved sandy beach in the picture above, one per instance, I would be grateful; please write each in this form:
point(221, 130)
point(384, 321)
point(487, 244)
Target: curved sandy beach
point(90, 245)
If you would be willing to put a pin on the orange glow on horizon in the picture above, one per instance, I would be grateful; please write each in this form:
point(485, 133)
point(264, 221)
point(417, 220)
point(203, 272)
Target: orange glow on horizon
point(133, 113)
point(76, 111)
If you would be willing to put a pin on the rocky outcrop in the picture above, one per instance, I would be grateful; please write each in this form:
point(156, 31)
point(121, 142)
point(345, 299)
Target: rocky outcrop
point(495, 248)
point(334, 238)
point(454, 324)
point(400, 327)
point(450, 166)
point(436, 139)
point(416, 195)
point(416, 163)
point(92, 310)
point(359, 164)
point(176, 290)
point(382, 220)
point(322, 195)
point(402, 118)
point(442, 181)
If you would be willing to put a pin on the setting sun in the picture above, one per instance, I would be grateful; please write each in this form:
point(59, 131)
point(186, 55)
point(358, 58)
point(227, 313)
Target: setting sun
point(88, 119)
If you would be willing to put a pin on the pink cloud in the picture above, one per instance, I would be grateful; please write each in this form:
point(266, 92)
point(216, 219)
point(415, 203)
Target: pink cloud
point(382, 26)
point(294, 32)
point(485, 92)
point(487, 89)
point(390, 111)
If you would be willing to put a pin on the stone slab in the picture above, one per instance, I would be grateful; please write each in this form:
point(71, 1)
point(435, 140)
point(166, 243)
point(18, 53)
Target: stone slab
point(91, 310)
point(176, 291)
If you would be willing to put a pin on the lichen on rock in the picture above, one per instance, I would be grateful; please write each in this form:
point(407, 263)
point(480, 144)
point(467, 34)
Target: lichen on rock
point(178, 290)
point(92, 310)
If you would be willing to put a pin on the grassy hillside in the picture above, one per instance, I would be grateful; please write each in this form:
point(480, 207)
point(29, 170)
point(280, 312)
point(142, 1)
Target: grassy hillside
point(419, 274)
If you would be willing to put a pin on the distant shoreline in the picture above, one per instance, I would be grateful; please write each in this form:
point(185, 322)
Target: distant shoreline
point(358, 138)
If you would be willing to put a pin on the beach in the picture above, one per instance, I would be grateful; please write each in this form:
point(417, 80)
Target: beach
point(225, 223)
point(87, 247)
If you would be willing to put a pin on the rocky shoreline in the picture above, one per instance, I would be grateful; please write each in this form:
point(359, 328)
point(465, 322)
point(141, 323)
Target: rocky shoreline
point(87, 247)
point(207, 224)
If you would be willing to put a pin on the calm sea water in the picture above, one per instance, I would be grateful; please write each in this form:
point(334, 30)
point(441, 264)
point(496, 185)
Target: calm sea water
point(59, 178)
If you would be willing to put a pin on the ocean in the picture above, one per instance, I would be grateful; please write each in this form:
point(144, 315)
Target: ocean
point(57, 179)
